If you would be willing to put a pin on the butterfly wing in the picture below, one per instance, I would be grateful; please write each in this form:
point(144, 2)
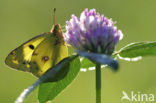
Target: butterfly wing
point(39, 53)
point(20, 57)
point(49, 52)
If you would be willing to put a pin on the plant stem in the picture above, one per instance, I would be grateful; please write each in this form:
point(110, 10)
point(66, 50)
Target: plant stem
point(98, 83)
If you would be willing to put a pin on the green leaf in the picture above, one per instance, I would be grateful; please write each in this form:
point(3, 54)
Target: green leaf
point(49, 90)
point(100, 59)
point(86, 63)
point(138, 49)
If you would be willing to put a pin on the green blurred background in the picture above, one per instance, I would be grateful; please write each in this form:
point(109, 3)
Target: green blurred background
point(21, 20)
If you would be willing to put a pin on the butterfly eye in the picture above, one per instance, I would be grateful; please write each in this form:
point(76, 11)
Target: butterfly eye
point(31, 47)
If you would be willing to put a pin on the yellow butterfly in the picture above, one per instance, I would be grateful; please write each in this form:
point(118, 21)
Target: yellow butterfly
point(40, 53)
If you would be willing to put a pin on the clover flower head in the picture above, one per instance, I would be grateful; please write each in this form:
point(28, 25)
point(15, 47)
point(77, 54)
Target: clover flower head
point(92, 32)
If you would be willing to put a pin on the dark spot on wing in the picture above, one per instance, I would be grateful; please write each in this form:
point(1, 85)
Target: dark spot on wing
point(31, 46)
point(45, 58)
point(24, 62)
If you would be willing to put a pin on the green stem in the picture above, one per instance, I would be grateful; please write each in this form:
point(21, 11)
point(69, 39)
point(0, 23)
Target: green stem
point(98, 83)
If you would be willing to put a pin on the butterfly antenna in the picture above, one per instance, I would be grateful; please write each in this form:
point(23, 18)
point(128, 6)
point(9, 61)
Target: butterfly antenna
point(53, 20)
point(54, 16)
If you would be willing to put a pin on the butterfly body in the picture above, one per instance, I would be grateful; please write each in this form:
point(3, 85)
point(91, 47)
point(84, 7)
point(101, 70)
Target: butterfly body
point(39, 53)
